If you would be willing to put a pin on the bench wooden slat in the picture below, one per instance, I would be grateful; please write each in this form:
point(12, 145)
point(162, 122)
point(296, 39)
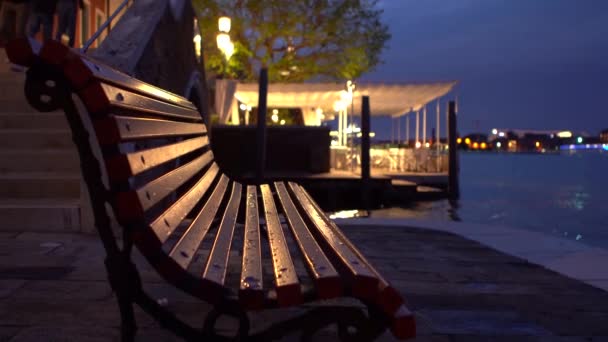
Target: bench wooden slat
point(100, 98)
point(123, 166)
point(365, 281)
point(166, 223)
point(251, 291)
point(186, 247)
point(327, 280)
point(287, 283)
point(402, 320)
point(117, 129)
point(133, 204)
point(217, 264)
point(81, 70)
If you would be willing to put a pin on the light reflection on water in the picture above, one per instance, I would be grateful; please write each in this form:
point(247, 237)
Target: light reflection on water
point(564, 195)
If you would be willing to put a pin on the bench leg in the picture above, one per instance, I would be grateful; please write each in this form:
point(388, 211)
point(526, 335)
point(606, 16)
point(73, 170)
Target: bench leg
point(125, 283)
point(128, 327)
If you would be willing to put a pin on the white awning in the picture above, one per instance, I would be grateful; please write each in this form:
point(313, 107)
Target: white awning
point(385, 99)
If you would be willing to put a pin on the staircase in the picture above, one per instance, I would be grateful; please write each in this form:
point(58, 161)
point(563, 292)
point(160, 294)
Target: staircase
point(40, 183)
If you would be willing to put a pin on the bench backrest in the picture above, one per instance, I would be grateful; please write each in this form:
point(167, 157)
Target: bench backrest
point(158, 161)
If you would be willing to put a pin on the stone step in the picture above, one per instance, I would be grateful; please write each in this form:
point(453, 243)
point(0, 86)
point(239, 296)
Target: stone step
point(34, 120)
point(40, 185)
point(39, 215)
point(16, 105)
point(35, 139)
point(39, 161)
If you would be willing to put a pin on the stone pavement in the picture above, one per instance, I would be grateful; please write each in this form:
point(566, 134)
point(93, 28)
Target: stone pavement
point(53, 288)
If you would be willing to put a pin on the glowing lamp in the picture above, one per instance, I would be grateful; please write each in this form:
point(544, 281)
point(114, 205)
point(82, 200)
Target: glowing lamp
point(224, 24)
point(459, 140)
point(579, 140)
point(498, 144)
point(475, 145)
point(537, 144)
point(467, 141)
point(418, 144)
point(483, 145)
point(494, 131)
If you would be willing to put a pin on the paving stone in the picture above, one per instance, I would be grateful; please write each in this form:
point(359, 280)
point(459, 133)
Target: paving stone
point(480, 323)
point(8, 286)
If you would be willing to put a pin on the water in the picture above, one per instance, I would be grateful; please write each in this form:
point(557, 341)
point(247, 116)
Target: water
point(563, 194)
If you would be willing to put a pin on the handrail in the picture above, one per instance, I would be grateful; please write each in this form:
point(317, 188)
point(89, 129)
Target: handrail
point(97, 33)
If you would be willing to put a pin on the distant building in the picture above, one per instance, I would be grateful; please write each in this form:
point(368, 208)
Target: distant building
point(604, 136)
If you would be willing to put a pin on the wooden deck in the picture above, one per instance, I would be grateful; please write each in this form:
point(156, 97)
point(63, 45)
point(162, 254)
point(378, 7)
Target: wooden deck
point(338, 189)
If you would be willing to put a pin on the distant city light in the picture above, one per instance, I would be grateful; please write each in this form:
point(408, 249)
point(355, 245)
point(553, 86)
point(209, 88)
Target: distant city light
point(418, 144)
point(494, 131)
point(564, 134)
point(498, 144)
point(483, 145)
point(243, 106)
point(459, 140)
point(467, 141)
point(579, 140)
point(537, 144)
point(501, 134)
point(475, 145)
point(275, 118)
point(282, 122)
point(427, 145)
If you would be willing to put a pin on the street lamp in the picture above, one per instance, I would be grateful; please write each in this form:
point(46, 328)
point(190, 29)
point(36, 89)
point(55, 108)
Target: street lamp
point(223, 38)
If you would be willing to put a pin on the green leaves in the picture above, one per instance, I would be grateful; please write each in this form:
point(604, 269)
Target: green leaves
point(296, 40)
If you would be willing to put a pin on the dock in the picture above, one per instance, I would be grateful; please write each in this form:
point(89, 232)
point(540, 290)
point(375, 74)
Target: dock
point(340, 190)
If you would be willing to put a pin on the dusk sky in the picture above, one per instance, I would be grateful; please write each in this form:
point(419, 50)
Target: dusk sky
point(529, 64)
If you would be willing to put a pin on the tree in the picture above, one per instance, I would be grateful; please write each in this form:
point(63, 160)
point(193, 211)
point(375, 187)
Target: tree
point(295, 40)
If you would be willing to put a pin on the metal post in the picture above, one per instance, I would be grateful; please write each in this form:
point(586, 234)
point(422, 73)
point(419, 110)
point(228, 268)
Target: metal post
point(453, 187)
point(417, 128)
point(398, 131)
point(365, 146)
point(407, 130)
point(261, 129)
point(438, 130)
point(424, 127)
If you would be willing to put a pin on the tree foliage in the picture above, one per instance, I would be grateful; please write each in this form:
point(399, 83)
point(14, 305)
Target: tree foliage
point(295, 39)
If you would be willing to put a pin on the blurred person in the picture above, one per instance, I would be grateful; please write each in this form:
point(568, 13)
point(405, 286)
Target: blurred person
point(66, 13)
point(41, 18)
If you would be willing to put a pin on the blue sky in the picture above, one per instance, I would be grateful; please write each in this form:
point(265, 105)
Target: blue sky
point(532, 64)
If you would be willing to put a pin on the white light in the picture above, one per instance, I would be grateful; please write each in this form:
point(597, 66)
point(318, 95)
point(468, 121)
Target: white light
point(501, 134)
point(198, 39)
point(229, 50)
point(418, 144)
point(494, 131)
point(222, 40)
point(275, 118)
point(282, 122)
point(372, 134)
point(275, 111)
point(248, 107)
point(564, 134)
point(579, 140)
point(498, 144)
point(319, 111)
point(427, 145)
point(224, 24)
point(243, 106)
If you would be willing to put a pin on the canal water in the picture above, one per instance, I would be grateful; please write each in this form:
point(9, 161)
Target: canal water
point(559, 194)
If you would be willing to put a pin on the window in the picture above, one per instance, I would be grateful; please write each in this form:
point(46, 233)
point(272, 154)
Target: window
point(85, 14)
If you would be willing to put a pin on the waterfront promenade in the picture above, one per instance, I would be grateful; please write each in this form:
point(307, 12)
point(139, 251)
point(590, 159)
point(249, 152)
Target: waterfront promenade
point(53, 287)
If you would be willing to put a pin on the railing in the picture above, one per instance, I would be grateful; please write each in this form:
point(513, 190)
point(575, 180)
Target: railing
point(392, 159)
point(104, 26)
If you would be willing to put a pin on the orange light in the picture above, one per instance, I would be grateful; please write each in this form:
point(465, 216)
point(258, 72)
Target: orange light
point(537, 144)
point(483, 145)
point(467, 141)
point(459, 140)
point(475, 145)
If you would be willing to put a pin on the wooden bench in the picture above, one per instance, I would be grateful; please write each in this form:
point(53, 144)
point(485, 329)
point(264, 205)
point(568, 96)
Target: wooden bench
point(240, 248)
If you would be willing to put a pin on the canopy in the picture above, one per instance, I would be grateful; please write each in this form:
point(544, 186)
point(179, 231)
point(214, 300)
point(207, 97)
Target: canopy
point(385, 99)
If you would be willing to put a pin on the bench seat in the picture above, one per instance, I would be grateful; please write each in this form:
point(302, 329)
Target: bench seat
point(253, 247)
